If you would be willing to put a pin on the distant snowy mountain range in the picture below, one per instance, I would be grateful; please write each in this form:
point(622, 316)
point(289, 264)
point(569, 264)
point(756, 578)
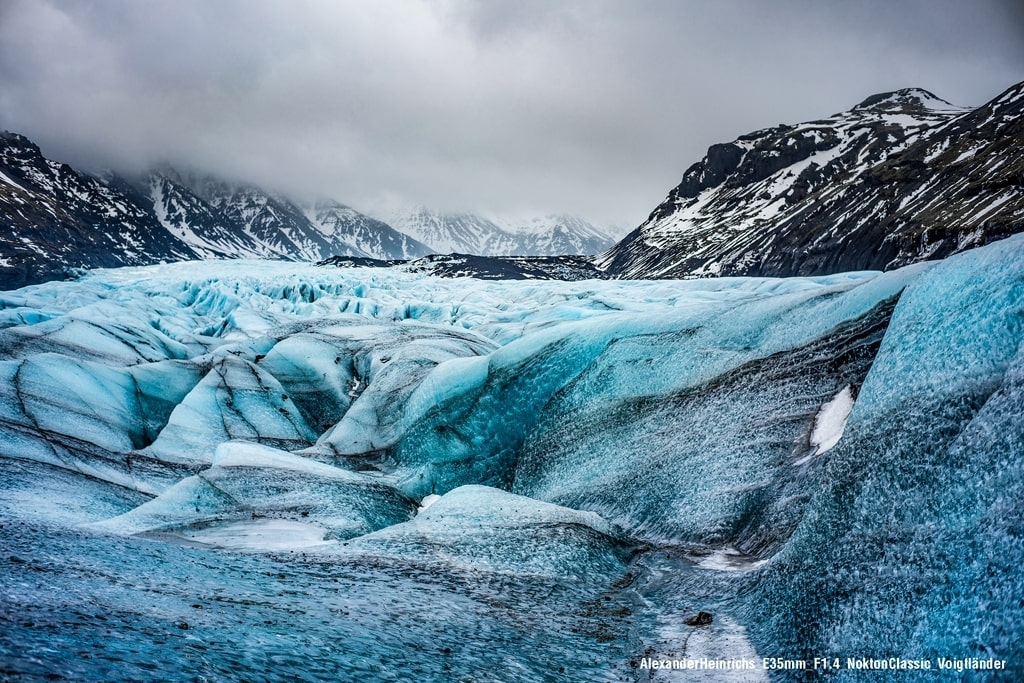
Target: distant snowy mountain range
point(54, 218)
point(902, 177)
point(469, 233)
point(221, 219)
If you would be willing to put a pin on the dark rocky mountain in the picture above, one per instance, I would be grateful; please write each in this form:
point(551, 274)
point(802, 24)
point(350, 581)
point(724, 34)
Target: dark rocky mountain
point(360, 262)
point(55, 220)
point(569, 267)
point(901, 177)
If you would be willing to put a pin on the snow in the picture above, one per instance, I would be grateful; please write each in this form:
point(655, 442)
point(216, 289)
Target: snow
point(938, 150)
point(729, 560)
point(989, 208)
point(831, 421)
point(905, 120)
point(427, 501)
point(965, 155)
point(8, 180)
point(260, 535)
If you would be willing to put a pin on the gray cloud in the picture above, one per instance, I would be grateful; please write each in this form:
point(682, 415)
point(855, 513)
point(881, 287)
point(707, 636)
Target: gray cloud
point(588, 106)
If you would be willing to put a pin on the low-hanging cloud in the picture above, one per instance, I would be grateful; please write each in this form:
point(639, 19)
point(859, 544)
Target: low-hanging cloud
point(591, 107)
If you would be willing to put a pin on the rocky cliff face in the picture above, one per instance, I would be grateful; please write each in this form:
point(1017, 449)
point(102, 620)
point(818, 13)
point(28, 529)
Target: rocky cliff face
point(901, 177)
point(54, 218)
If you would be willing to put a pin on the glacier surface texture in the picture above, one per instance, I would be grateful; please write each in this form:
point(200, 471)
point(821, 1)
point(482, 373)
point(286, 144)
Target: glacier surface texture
point(273, 471)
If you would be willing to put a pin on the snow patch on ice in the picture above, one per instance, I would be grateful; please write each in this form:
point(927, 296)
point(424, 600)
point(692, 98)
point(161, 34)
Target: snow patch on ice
point(729, 559)
point(246, 454)
point(261, 535)
point(831, 421)
point(427, 501)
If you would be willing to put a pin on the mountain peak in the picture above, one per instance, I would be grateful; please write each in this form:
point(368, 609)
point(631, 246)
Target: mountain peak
point(903, 177)
point(15, 137)
point(915, 99)
point(19, 145)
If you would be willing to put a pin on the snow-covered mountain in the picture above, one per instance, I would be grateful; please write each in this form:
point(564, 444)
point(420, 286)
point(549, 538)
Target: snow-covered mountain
point(555, 235)
point(283, 228)
point(191, 219)
point(360, 234)
point(54, 219)
point(901, 177)
point(470, 233)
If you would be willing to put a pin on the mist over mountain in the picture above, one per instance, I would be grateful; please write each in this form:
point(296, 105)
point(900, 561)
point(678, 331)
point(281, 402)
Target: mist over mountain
point(55, 219)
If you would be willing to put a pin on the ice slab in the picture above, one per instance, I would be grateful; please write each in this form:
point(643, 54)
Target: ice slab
point(224, 504)
point(236, 400)
point(485, 529)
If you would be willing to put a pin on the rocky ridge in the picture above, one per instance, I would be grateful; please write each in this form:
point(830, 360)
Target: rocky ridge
point(900, 178)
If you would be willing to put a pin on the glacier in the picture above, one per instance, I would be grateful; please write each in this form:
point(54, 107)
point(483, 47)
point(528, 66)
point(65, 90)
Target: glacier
point(254, 469)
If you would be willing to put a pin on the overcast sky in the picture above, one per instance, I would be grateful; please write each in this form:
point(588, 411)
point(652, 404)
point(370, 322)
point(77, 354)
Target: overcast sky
point(589, 107)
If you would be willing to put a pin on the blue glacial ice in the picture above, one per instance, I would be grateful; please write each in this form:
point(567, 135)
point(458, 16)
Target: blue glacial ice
point(252, 469)
point(235, 400)
point(267, 496)
point(922, 501)
point(483, 528)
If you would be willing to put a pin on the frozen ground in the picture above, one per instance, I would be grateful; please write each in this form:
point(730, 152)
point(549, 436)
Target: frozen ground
point(238, 470)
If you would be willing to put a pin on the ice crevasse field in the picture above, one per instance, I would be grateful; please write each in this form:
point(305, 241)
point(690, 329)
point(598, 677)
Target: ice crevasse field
point(270, 471)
